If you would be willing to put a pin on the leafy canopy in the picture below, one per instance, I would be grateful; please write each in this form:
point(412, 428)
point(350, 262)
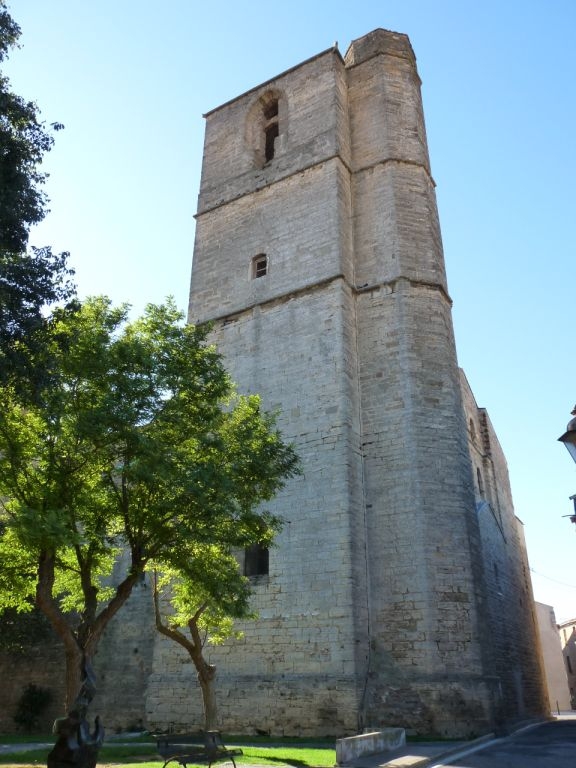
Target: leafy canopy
point(207, 590)
point(142, 443)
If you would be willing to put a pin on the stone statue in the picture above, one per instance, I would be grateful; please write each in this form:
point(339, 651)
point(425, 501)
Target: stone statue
point(75, 745)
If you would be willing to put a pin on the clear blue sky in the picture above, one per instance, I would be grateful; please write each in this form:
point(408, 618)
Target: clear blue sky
point(130, 79)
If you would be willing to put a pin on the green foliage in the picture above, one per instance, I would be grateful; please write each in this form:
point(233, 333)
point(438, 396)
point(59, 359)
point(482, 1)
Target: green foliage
point(24, 141)
point(29, 281)
point(139, 442)
point(204, 586)
point(31, 705)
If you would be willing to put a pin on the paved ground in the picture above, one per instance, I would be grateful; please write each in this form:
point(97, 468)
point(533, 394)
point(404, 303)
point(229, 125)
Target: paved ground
point(427, 754)
point(417, 755)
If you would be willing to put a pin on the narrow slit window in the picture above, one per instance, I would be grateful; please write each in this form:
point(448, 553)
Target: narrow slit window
point(480, 482)
point(259, 265)
point(270, 112)
point(272, 133)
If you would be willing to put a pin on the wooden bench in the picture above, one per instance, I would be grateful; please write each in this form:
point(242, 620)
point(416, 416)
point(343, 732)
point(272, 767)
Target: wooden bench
point(201, 747)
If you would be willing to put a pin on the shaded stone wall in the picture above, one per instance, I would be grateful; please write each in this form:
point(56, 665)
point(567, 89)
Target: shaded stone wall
point(508, 596)
point(123, 662)
point(41, 665)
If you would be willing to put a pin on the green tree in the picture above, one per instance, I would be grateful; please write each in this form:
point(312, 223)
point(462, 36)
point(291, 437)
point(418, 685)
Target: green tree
point(28, 280)
point(24, 141)
point(196, 600)
point(140, 444)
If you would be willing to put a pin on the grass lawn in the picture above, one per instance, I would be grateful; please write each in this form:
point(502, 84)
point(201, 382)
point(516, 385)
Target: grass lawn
point(299, 755)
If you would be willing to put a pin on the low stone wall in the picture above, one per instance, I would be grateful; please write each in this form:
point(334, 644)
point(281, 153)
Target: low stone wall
point(348, 749)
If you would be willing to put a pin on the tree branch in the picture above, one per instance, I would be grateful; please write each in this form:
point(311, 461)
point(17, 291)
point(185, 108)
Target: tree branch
point(164, 629)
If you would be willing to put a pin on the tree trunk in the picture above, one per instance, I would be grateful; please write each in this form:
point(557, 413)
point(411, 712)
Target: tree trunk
point(206, 678)
point(73, 674)
point(49, 607)
point(206, 672)
point(79, 645)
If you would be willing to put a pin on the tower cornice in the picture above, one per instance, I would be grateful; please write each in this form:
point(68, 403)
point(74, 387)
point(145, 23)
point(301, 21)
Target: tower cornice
point(317, 164)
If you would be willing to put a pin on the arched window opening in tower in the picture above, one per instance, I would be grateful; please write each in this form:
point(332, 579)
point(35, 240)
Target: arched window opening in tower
point(271, 129)
point(271, 110)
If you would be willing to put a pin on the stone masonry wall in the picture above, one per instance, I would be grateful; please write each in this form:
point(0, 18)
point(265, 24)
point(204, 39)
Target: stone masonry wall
point(313, 128)
point(427, 665)
point(508, 590)
point(40, 665)
point(295, 669)
point(123, 664)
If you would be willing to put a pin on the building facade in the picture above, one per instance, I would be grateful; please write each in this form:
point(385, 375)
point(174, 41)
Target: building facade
point(556, 676)
point(567, 632)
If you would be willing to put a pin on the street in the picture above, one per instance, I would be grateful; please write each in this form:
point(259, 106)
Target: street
point(550, 745)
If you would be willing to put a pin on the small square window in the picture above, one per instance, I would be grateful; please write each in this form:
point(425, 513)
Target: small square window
point(259, 265)
point(256, 560)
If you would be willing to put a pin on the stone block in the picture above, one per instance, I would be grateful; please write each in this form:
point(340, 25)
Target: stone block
point(353, 747)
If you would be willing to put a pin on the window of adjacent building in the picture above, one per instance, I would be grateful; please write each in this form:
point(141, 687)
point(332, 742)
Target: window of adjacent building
point(256, 560)
point(569, 664)
point(259, 265)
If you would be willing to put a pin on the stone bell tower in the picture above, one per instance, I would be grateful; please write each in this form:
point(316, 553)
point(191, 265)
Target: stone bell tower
point(318, 258)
